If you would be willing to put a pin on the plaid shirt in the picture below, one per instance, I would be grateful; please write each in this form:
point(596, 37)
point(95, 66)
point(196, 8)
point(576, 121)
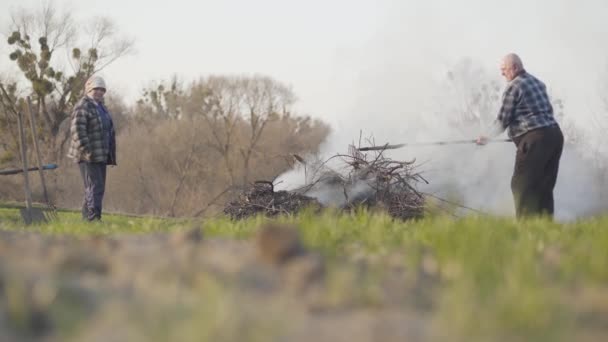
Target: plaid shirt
point(87, 135)
point(525, 106)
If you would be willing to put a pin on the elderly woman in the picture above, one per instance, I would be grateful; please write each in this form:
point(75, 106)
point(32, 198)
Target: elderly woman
point(93, 145)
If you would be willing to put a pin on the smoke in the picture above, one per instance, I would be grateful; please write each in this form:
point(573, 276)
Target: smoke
point(430, 73)
point(339, 196)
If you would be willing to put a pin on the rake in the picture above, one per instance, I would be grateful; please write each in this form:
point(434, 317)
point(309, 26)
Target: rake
point(30, 214)
point(434, 143)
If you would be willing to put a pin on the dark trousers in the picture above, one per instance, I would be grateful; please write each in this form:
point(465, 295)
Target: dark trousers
point(94, 178)
point(535, 172)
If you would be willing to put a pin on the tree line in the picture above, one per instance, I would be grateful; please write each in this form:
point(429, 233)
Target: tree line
point(183, 148)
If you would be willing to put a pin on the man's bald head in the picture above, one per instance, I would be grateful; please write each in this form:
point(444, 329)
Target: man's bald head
point(511, 66)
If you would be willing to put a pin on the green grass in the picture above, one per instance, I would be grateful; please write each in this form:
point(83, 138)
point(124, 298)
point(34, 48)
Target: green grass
point(491, 278)
point(70, 222)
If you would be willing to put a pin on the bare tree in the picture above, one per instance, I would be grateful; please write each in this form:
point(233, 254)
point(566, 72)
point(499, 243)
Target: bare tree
point(9, 143)
point(266, 100)
point(52, 31)
point(106, 42)
point(473, 95)
point(39, 35)
point(162, 101)
point(221, 110)
point(184, 167)
point(229, 131)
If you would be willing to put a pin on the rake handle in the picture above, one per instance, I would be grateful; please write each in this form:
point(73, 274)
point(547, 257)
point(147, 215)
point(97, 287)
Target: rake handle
point(437, 143)
point(16, 171)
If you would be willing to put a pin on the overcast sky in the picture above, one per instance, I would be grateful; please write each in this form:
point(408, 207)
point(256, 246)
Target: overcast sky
point(335, 52)
point(296, 42)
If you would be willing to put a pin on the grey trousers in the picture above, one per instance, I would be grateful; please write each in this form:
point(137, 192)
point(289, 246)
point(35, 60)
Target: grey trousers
point(94, 178)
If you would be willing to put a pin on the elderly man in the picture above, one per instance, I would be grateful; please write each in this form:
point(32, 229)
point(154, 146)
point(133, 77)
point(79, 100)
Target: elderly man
point(93, 145)
point(528, 115)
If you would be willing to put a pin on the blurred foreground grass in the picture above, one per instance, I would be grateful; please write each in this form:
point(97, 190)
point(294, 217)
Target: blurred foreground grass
point(471, 279)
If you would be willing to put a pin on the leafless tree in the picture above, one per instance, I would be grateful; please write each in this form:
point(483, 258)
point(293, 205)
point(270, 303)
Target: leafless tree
point(229, 130)
point(221, 109)
point(38, 36)
point(266, 100)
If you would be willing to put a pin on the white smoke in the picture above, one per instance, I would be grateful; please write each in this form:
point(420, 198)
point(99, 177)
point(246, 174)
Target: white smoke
point(396, 88)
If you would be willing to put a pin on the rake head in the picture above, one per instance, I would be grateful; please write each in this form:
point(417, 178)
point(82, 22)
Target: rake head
point(38, 215)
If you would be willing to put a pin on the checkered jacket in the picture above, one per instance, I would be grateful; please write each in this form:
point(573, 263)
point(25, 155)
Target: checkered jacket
point(86, 143)
point(525, 106)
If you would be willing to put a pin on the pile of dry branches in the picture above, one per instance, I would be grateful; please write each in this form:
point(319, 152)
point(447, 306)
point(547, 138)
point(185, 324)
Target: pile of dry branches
point(371, 180)
point(262, 199)
point(353, 180)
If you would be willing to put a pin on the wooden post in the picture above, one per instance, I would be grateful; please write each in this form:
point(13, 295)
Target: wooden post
point(37, 149)
point(28, 193)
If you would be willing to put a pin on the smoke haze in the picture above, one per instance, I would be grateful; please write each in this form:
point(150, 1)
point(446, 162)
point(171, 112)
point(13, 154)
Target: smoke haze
point(398, 88)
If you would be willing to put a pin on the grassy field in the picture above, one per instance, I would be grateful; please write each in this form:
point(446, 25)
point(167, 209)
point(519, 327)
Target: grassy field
point(444, 279)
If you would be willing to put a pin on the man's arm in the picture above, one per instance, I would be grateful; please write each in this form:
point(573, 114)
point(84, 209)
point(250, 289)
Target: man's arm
point(505, 116)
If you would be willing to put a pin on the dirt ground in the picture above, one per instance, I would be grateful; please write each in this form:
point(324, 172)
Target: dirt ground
point(182, 286)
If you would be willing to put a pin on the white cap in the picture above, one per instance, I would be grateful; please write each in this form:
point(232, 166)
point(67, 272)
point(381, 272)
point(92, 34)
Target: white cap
point(94, 82)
